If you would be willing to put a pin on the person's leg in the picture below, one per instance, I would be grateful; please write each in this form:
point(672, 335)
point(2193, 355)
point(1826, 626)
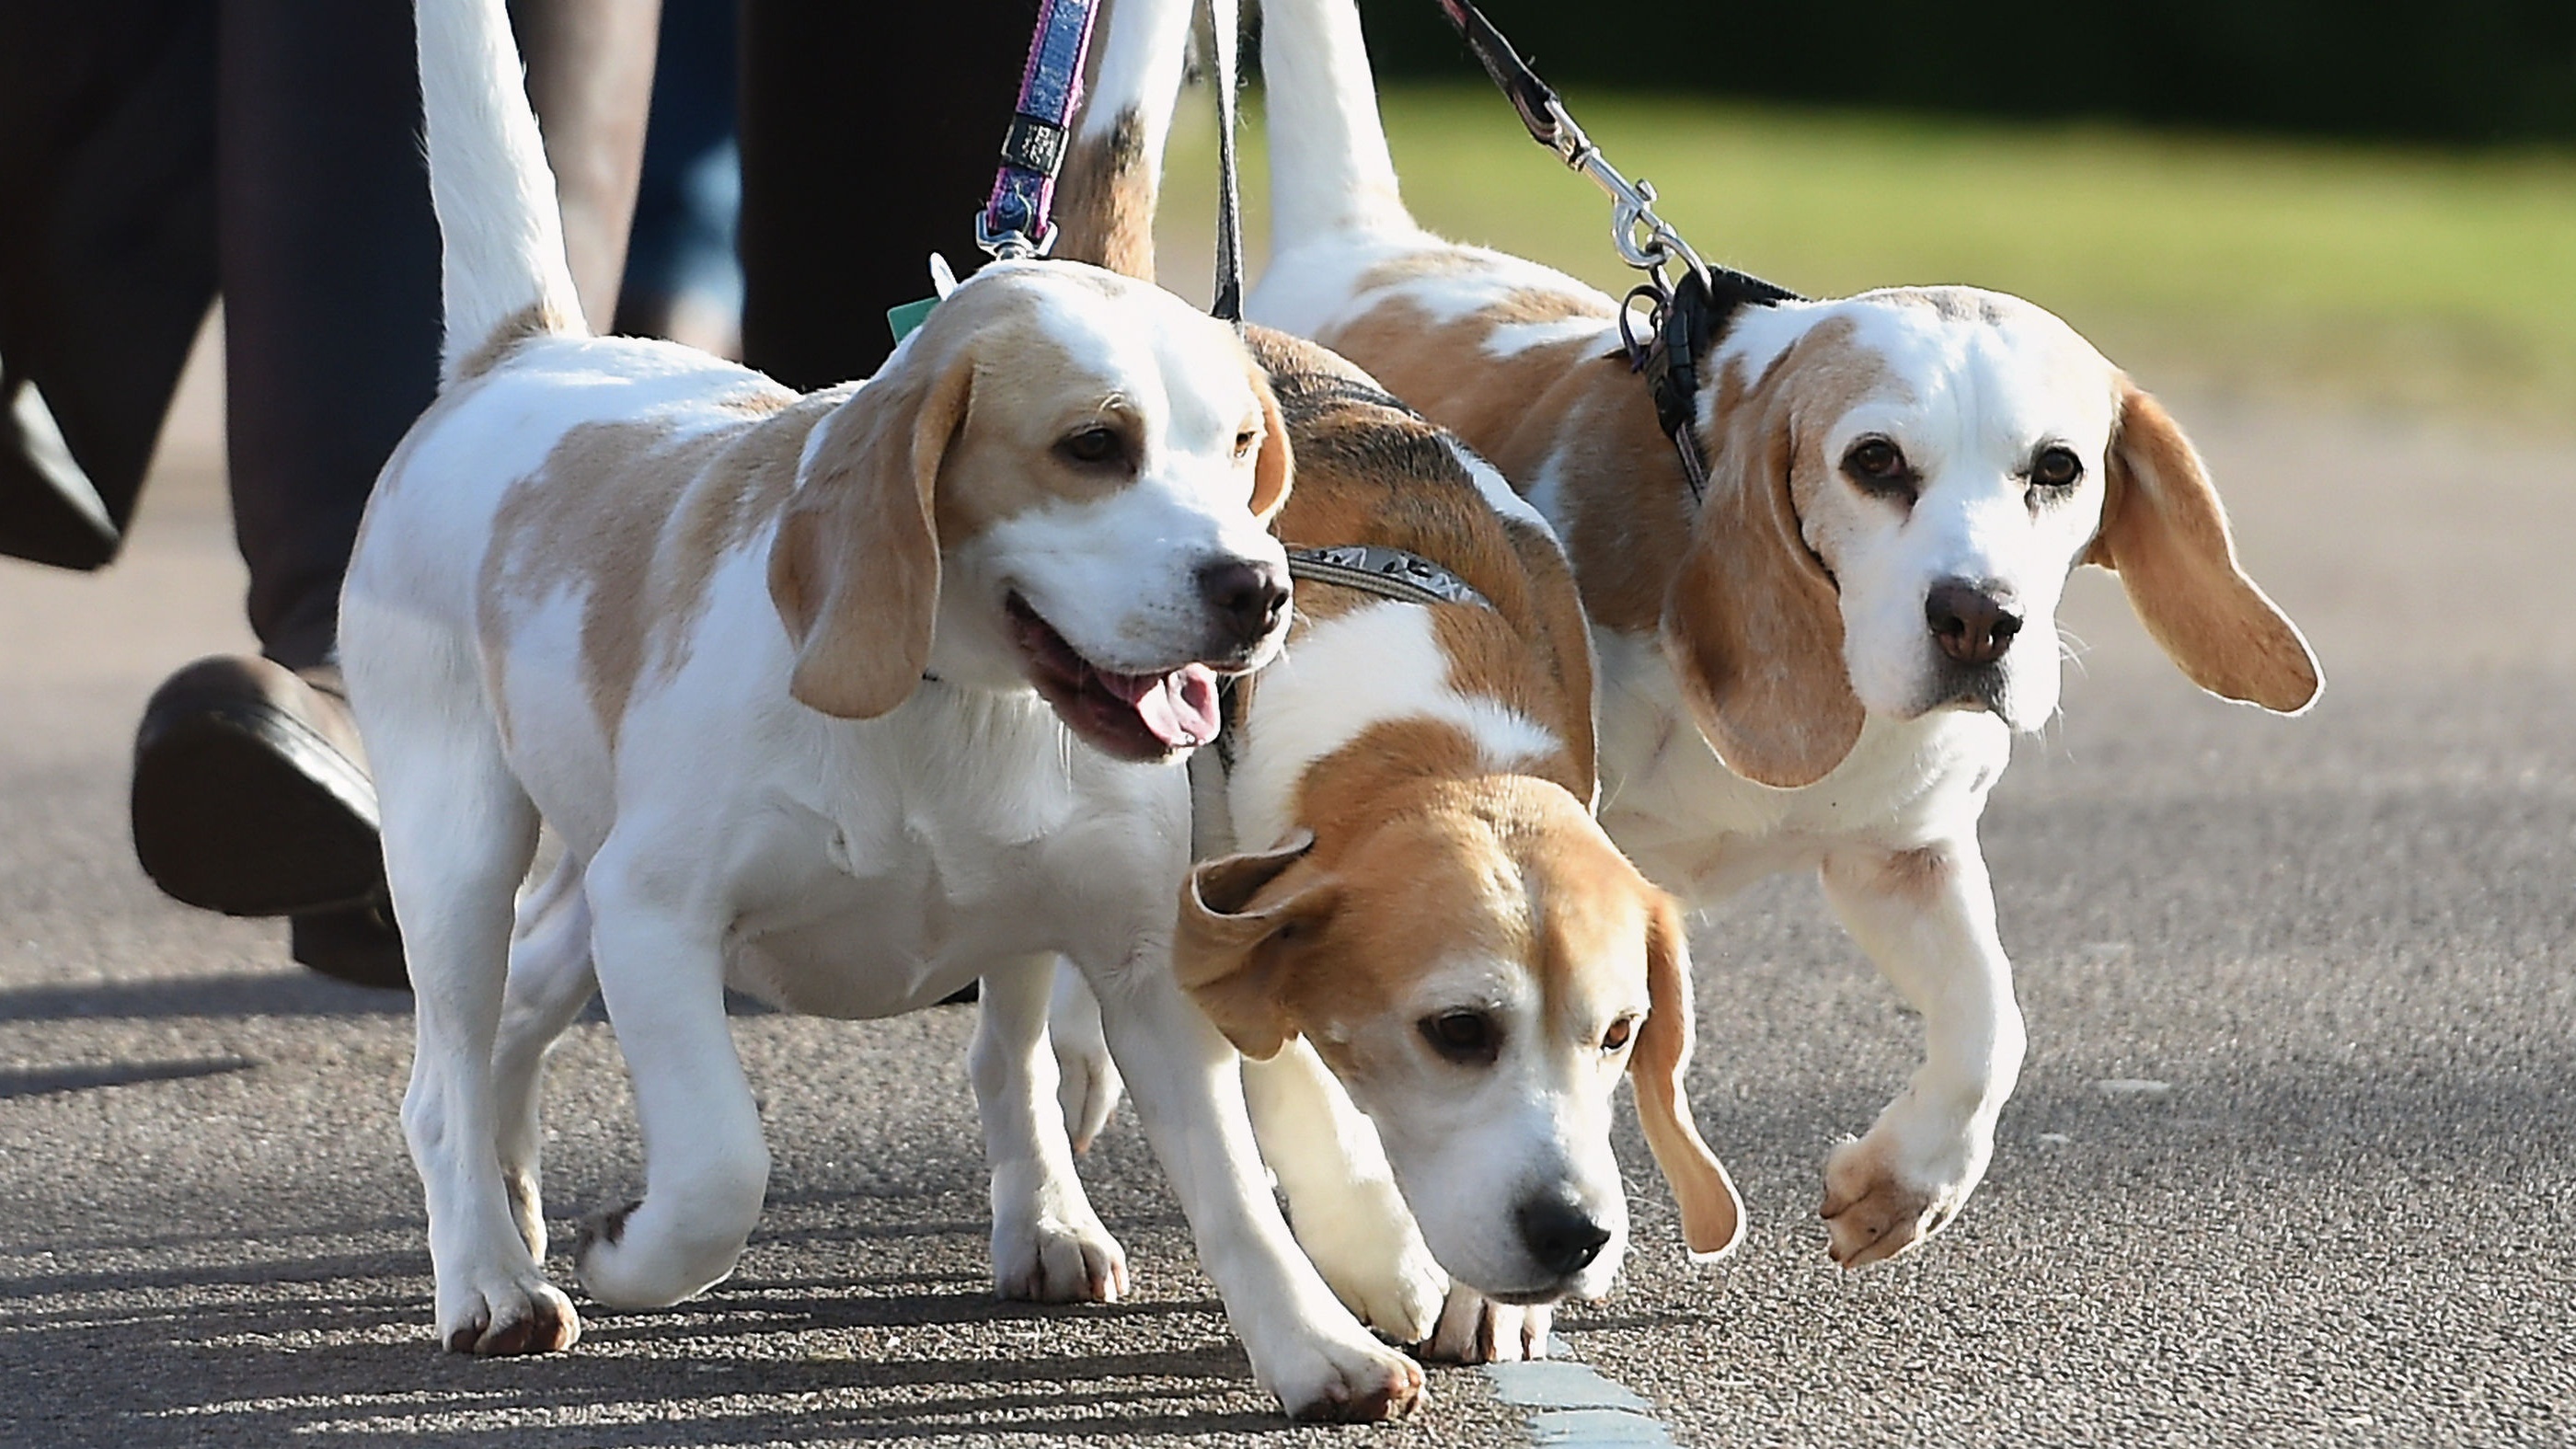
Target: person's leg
point(251, 795)
point(330, 279)
point(869, 139)
point(590, 75)
point(107, 257)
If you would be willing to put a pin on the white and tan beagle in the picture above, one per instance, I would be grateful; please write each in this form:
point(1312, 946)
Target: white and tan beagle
point(1822, 666)
point(844, 699)
point(1409, 921)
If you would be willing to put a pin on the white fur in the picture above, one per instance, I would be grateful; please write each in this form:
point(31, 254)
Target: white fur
point(1497, 493)
point(1971, 398)
point(718, 832)
point(1309, 709)
point(497, 259)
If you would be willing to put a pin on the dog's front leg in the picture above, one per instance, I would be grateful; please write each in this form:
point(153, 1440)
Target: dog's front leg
point(1048, 1245)
point(1342, 1199)
point(1927, 918)
point(1304, 1346)
point(658, 950)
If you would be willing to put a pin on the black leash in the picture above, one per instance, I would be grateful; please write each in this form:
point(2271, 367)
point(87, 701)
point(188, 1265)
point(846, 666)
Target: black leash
point(1684, 318)
point(1225, 28)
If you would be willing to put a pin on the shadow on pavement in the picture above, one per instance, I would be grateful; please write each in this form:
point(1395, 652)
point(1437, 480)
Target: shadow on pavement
point(339, 1346)
point(298, 993)
point(38, 1081)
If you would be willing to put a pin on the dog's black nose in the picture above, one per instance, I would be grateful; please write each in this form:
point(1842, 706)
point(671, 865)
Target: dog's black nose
point(1973, 625)
point(1562, 1237)
point(1247, 598)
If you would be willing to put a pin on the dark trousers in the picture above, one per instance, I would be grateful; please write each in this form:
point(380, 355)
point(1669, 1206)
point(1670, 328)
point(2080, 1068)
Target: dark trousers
point(154, 151)
point(870, 133)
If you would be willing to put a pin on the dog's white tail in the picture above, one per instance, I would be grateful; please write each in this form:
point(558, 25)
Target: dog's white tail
point(1329, 167)
point(502, 266)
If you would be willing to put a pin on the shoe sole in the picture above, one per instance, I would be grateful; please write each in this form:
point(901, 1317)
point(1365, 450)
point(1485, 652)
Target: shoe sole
point(358, 945)
point(242, 809)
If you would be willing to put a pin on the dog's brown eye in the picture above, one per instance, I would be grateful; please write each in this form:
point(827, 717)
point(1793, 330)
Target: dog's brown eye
point(1244, 440)
point(2056, 468)
point(1463, 1036)
point(1618, 1034)
point(1878, 465)
point(1093, 445)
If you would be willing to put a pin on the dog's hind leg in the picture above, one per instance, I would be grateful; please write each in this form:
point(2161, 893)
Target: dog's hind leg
point(1048, 1245)
point(550, 982)
point(458, 834)
point(657, 944)
point(1087, 1085)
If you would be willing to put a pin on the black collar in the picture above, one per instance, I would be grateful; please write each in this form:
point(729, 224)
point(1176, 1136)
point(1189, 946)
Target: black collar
point(1689, 322)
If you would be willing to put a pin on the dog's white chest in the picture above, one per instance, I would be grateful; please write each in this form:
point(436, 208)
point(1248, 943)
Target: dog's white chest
point(918, 864)
point(1703, 832)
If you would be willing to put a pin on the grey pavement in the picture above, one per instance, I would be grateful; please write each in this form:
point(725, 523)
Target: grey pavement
point(2293, 1160)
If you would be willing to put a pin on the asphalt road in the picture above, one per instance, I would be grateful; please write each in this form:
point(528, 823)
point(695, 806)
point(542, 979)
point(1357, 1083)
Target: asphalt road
point(2293, 1160)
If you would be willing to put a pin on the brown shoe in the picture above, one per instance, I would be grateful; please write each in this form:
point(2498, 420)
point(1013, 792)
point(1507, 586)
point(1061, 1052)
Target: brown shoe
point(251, 797)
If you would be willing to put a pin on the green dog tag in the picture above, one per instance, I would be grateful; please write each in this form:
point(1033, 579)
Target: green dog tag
point(902, 320)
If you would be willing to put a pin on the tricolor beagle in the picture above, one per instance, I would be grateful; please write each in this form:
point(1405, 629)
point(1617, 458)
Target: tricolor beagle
point(844, 699)
point(1408, 906)
point(1823, 665)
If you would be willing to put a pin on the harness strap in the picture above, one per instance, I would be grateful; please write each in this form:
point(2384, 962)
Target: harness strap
point(1014, 222)
point(1389, 573)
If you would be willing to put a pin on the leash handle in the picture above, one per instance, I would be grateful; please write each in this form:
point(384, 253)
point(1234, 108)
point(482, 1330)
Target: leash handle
point(1225, 31)
point(1014, 221)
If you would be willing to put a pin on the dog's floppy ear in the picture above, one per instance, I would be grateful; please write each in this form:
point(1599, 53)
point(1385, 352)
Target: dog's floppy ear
point(1231, 953)
point(1754, 627)
point(1273, 470)
point(2165, 533)
point(854, 571)
point(1712, 1214)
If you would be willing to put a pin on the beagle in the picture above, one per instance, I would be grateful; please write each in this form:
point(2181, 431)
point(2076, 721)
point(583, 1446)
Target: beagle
point(1823, 665)
point(844, 699)
point(1434, 960)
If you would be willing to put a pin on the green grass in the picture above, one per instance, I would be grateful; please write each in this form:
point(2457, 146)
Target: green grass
point(2375, 276)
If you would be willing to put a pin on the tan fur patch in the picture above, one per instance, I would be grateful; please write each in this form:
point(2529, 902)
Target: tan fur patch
point(1753, 622)
point(1915, 875)
point(534, 320)
point(1104, 202)
point(635, 523)
point(1371, 471)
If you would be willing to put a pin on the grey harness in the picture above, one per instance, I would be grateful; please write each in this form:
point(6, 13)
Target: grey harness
point(1389, 573)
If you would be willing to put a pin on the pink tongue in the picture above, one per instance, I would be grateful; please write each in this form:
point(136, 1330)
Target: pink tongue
point(1180, 707)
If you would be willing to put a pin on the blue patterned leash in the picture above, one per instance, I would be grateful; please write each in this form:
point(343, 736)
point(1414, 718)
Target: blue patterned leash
point(1014, 224)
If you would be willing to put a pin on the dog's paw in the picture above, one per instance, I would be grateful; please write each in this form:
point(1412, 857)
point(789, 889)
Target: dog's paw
point(1331, 1380)
point(1875, 1209)
point(1371, 1254)
point(1059, 1261)
point(506, 1315)
point(1476, 1329)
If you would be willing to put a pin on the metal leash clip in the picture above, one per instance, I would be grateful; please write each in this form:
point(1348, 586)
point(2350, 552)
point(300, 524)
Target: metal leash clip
point(1683, 317)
